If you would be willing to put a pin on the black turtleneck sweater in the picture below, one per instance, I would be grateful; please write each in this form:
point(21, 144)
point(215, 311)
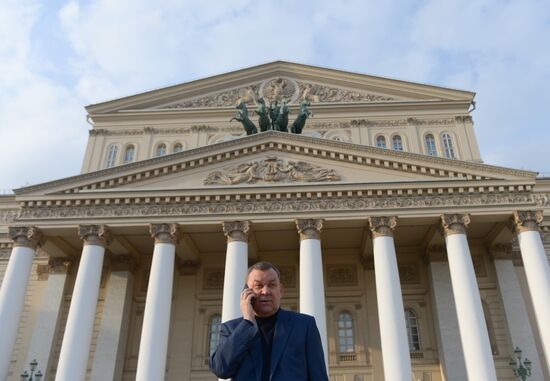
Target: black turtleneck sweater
point(266, 325)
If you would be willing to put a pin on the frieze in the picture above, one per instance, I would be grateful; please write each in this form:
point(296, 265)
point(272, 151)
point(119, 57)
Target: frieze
point(288, 276)
point(387, 123)
point(5, 253)
point(271, 169)
point(363, 203)
point(213, 278)
point(8, 216)
point(341, 275)
point(408, 273)
point(542, 200)
point(280, 89)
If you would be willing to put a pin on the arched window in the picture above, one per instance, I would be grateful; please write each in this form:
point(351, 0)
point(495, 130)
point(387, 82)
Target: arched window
point(345, 333)
point(412, 331)
point(397, 143)
point(448, 147)
point(381, 142)
point(429, 140)
point(129, 153)
point(161, 150)
point(178, 147)
point(112, 152)
point(213, 333)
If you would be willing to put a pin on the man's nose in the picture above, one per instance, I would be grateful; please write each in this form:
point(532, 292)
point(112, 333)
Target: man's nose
point(266, 290)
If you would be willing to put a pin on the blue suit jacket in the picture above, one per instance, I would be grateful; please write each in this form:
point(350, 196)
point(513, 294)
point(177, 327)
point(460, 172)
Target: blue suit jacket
point(297, 353)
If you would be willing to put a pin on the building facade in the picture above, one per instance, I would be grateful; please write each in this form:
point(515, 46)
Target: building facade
point(416, 259)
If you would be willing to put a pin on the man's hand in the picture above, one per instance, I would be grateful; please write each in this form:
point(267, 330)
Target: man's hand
point(246, 305)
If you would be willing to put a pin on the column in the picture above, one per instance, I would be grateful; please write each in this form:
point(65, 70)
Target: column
point(515, 310)
point(113, 331)
point(525, 224)
point(73, 359)
point(450, 351)
point(471, 321)
point(48, 315)
point(312, 285)
point(236, 267)
point(14, 287)
point(391, 313)
point(153, 346)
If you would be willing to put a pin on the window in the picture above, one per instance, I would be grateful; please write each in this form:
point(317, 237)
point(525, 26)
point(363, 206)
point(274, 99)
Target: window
point(381, 142)
point(345, 333)
point(161, 150)
point(448, 148)
point(178, 147)
point(430, 145)
point(214, 333)
point(412, 331)
point(112, 152)
point(397, 143)
point(129, 154)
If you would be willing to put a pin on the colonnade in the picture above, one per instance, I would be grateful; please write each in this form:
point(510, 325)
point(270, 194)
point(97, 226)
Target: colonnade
point(395, 354)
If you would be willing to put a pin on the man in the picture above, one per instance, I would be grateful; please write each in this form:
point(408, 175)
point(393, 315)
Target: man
point(268, 343)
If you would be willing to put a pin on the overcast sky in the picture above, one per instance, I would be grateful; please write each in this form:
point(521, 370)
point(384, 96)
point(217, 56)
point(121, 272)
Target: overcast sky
point(58, 56)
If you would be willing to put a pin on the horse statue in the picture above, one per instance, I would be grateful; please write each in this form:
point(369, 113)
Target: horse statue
point(263, 114)
point(282, 118)
point(273, 114)
point(300, 121)
point(242, 116)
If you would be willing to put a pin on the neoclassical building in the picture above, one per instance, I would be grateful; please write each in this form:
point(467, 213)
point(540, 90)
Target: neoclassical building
point(417, 260)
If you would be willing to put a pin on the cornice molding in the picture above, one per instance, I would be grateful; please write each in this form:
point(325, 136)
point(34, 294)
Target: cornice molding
point(280, 142)
point(272, 203)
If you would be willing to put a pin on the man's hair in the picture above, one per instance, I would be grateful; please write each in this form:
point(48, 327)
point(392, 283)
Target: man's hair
point(264, 266)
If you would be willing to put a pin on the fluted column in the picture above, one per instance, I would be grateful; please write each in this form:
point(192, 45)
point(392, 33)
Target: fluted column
point(515, 310)
point(526, 226)
point(153, 347)
point(312, 285)
point(471, 321)
point(48, 315)
point(13, 289)
point(236, 267)
point(393, 331)
point(73, 359)
point(113, 330)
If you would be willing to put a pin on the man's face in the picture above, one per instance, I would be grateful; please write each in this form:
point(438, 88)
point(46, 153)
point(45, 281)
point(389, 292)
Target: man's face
point(268, 290)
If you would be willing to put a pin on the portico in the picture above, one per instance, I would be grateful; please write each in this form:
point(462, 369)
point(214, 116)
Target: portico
point(414, 266)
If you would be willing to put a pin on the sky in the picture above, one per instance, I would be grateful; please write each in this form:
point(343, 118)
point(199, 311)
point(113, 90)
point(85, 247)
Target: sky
point(57, 56)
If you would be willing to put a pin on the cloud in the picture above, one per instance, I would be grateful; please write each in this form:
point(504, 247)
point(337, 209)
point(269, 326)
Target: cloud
point(55, 59)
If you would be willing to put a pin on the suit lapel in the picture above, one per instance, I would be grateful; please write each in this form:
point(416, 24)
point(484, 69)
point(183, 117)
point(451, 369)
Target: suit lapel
point(256, 353)
point(280, 337)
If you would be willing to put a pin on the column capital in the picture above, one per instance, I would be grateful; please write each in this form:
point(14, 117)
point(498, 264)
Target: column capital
point(436, 253)
point(382, 226)
point(26, 236)
point(526, 220)
point(454, 223)
point(59, 265)
point(99, 235)
point(236, 230)
point(165, 233)
point(501, 251)
point(309, 228)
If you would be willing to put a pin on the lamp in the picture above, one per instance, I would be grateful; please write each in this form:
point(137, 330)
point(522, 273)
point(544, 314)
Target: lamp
point(521, 369)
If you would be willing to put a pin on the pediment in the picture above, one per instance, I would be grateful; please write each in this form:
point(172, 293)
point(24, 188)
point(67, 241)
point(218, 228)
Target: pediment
point(279, 160)
point(278, 81)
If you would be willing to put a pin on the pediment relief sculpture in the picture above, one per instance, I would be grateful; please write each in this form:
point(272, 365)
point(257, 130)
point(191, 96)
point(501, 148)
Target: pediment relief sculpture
point(271, 170)
point(279, 89)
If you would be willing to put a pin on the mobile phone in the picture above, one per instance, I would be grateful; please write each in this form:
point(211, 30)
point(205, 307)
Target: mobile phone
point(253, 299)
